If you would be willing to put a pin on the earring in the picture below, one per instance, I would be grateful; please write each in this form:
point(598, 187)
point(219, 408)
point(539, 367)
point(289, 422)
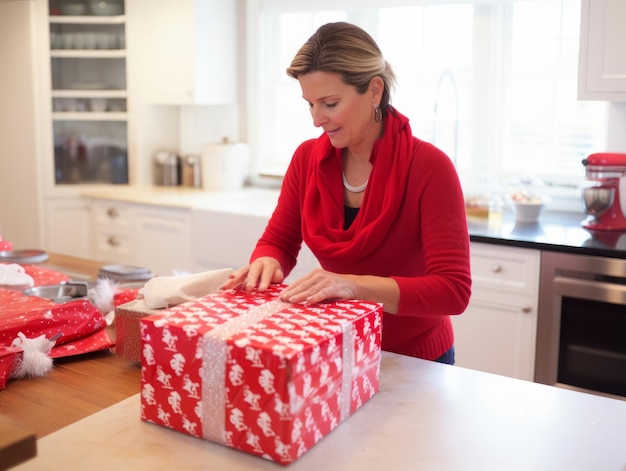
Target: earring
point(378, 115)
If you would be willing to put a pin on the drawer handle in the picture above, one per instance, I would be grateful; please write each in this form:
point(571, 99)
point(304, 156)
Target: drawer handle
point(112, 213)
point(526, 309)
point(114, 241)
point(496, 268)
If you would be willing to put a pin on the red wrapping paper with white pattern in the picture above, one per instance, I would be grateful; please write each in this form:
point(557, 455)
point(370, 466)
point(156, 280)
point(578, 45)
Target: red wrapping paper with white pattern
point(81, 325)
point(79, 322)
point(254, 373)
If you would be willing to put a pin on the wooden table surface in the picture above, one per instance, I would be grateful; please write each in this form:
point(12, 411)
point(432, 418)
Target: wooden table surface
point(77, 386)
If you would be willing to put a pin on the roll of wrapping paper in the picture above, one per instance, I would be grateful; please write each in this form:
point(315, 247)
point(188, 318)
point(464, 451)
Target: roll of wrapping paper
point(224, 165)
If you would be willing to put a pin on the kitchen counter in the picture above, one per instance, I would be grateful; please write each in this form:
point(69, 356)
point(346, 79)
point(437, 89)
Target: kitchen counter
point(426, 416)
point(555, 231)
point(248, 200)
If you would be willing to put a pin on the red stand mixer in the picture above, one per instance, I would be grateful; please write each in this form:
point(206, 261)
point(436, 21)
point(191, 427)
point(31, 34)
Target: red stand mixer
point(604, 195)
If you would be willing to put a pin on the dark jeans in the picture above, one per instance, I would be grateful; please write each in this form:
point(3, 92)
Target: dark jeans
point(447, 357)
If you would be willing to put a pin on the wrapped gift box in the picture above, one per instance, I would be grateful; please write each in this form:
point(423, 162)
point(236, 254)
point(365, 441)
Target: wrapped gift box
point(127, 336)
point(251, 372)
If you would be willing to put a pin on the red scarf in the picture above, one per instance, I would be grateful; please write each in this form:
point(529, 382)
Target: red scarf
point(324, 203)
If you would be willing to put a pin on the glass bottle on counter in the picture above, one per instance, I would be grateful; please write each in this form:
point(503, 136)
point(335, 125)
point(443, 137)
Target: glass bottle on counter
point(496, 211)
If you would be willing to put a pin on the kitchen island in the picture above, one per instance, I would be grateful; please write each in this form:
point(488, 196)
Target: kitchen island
point(426, 416)
point(85, 414)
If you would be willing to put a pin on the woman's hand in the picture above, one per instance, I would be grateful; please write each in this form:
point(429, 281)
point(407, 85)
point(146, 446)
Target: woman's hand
point(321, 285)
point(258, 275)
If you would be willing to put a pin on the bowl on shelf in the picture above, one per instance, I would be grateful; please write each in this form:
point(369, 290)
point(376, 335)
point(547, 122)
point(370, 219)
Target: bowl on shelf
point(106, 8)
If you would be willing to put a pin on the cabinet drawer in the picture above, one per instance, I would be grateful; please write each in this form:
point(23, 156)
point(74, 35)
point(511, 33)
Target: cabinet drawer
point(114, 246)
point(113, 214)
point(502, 268)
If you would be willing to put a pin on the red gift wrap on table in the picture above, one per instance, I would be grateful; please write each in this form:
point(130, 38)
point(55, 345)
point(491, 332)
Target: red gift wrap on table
point(254, 373)
point(77, 325)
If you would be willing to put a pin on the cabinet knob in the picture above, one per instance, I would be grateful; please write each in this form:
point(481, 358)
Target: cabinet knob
point(114, 241)
point(496, 268)
point(526, 309)
point(112, 213)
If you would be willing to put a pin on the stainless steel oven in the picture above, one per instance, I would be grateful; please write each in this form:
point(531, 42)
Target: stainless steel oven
point(581, 325)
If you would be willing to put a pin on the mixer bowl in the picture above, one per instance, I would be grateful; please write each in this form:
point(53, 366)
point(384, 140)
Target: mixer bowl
point(598, 199)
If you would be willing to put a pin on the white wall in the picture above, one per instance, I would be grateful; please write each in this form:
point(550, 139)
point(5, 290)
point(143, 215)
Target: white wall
point(20, 185)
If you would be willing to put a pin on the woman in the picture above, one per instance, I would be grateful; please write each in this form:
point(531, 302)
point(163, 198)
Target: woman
point(382, 211)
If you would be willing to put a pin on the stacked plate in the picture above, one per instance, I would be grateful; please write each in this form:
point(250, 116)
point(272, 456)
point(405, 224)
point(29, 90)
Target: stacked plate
point(125, 273)
point(23, 256)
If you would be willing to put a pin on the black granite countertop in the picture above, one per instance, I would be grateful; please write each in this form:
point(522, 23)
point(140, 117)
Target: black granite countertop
point(556, 232)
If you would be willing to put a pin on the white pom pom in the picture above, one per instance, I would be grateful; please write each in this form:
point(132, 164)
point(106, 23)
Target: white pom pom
point(35, 359)
point(103, 295)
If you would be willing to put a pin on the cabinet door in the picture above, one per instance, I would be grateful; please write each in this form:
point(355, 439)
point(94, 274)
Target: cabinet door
point(602, 62)
point(68, 227)
point(497, 332)
point(497, 336)
point(187, 50)
point(162, 240)
point(224, 240)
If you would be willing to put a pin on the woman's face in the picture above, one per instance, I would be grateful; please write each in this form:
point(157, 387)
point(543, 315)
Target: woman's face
point(345, 115)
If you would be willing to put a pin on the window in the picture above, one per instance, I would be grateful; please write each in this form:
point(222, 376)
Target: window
point(491, 82)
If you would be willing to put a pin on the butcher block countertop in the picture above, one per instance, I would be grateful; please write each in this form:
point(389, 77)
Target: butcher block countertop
point(426, 416)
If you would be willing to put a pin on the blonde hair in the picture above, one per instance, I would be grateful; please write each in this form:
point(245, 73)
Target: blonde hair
point(349, 51)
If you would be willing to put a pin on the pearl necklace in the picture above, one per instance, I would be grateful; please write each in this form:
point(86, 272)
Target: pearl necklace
point(353, 189)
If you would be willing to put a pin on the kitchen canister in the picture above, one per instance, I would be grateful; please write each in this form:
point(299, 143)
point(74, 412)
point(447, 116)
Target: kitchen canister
point(191, 175)
point(166, 168)
point(224, 166)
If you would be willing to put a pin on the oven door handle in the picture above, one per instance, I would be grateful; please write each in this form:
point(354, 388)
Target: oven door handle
point(591, 290)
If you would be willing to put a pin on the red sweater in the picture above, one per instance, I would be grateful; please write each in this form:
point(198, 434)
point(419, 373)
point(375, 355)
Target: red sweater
point(425, 249)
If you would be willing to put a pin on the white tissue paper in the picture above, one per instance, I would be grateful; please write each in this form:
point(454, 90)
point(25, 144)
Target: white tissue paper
point(14, 276)
point(165, 291)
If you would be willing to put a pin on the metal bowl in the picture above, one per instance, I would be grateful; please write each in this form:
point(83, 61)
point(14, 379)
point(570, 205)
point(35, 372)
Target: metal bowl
point(598, 199)
point(59, 293)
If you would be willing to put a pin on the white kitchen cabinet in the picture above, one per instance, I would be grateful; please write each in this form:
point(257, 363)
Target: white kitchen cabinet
point(162, 239)
point(188, 51)
point(113, 232)
point(223, 239)
point(149, 236)
point(88, 77)
point(69, 227)
point(497, 332)
point(602, 62)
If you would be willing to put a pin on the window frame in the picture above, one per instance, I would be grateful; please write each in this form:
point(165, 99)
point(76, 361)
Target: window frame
point(565, 192)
